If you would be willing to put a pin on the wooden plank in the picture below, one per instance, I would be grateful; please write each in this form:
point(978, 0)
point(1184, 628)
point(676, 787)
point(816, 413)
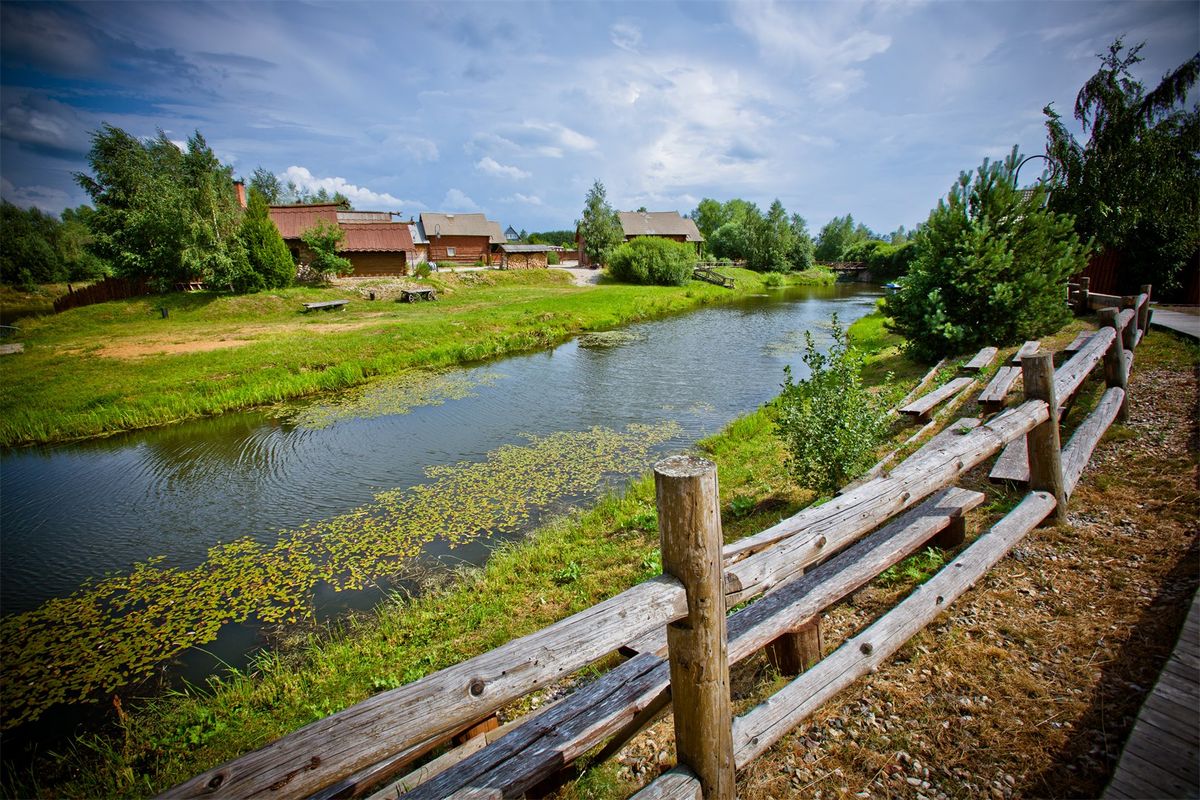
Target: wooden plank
point(1149, 772)
point(1097, 300)
point(982, 360)
point(756, 731)
point(1076, 344)
point(584, 719)
point(1012, 465)
point(995, 393)
point(920, 387)
point(921, 407)
point(1026, 349)
point(1071, 375)
point(1078, 451)
point(676, 784)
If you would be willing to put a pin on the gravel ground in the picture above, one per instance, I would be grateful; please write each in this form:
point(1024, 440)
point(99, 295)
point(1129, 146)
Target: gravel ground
point(1029, 685)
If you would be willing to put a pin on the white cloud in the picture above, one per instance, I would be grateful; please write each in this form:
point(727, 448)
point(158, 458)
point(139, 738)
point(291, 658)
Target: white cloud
point(392, 141)
point(561, 135)
point(359, 196)
point(457, 200)
point(46, 198)
point(491, 166)
point(527, 199)
point(626, 36)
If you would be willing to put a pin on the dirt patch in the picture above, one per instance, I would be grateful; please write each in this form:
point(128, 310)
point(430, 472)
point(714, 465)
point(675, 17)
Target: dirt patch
point(1029, 685)
point(249, 334)
point(583, 276)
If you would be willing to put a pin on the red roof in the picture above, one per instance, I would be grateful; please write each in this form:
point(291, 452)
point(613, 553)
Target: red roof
point(376, 237)
point(294, 220)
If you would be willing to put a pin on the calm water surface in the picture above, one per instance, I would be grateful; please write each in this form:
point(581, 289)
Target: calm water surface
point(79, 511)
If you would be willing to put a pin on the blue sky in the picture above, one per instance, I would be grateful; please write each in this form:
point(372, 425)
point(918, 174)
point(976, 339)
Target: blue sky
point(514, 109)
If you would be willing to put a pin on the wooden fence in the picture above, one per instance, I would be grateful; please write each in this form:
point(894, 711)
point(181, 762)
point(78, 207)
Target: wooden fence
point(674, 629)
point(102, 292)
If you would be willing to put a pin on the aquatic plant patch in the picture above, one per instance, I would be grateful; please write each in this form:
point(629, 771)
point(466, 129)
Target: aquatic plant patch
point(114, 631)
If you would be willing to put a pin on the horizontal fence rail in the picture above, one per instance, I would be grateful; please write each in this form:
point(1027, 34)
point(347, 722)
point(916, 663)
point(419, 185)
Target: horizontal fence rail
point(803, 565)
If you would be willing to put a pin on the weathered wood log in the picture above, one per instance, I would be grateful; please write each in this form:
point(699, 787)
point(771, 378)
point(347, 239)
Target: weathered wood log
point(795, 651)
point(943, 441)
point(1028, 348)
point(764, 725)
point(1071, 375)
point(1042, 442)
point(1144, 308)
point(1076, 344)
point(1115, 370)
point(876, 501)
point(675, 784)
point(1129, 329)
point(939, 440)
point(391, 722)
point(996, 392)
point(921, 407)
point(689, 524)
point(1085, 285)
point(981, 361)
point(920, 387)
point(1078, 451)
point(584, 719)
point(1098, 300)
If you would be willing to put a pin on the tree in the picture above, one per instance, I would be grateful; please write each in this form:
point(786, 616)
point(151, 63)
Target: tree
point(28, 253)
point(652, 259)
point(600, 227)
point(990, 267)
point(729, 241)
point(801, 253)
point(324, 240)
point(838, 235)
point(267, 184)
point(211, 246)
point(1132, 186)
point(271, 265)
point(829, 423)
point(708, 216)
point(770, 240)
point(74, 245)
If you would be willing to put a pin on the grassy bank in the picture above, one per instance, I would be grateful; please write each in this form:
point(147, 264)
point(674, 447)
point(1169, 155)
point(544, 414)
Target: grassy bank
point(123, 365)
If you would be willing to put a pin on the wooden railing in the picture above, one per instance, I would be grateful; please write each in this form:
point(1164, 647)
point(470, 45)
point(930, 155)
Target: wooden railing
point(674, 629)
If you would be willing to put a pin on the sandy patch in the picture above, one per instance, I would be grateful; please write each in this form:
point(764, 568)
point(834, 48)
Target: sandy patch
point(583, 276)
point(129, 349)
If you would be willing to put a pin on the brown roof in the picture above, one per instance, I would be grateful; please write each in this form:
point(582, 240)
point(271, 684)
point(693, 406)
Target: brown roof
point(294, 220)
point(459, 225)
point(659, 223)
point(376, 237)
point(497, 236)
point(364, 216)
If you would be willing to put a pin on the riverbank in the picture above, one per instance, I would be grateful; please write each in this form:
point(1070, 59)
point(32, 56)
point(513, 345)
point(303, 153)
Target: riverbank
point(151, 361)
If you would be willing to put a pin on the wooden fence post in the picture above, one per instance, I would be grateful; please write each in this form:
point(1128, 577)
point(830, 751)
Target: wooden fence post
point(1114, 358)
point(1085, 285)
point(1128, 334)
point(1042, 443)
point(1143, 316)
point(796, 651)
point(689, 524)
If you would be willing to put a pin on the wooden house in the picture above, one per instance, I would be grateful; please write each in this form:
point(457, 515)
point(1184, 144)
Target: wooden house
point(663, 224)
point(374, 244)
point(461, 238)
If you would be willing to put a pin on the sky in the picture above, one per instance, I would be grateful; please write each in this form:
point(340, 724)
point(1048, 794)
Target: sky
point(515, 109)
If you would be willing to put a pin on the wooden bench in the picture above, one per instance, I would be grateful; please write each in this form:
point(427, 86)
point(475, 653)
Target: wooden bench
point(413, 295)
point(326, 305)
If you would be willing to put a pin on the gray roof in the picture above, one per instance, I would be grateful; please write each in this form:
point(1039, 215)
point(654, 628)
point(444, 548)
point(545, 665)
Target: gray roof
point(659, 223)
point(364, 216)
point(460, 225)
point(496, 235)
point(528, 248)
point(417, 231)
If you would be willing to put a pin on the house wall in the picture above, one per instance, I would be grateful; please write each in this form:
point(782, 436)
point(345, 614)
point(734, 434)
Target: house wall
point(525, 261)
point(379, 263)
point(468, 249)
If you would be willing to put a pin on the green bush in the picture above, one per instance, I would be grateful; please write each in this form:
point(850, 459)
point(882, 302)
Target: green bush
point(447, 265)
point(650, 259)
point(829, 423)
point(270, 262)
point(990, 267)
point(422, 270)
point(552, 259)
point(324, 240)
point(885, 261)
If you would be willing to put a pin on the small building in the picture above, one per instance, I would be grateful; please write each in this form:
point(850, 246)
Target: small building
point(417, 231)
point(374, 244)
point(663, 224)
point(511, 234)
point(461, 238)
point(524, 256)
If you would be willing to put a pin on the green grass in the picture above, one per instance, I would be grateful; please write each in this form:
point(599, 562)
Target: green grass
point(120, 366)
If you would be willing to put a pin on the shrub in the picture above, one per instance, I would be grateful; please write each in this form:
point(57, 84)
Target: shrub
point(422, 270)
point(829, 423)
point(989, 267)
point(552, 259)
point(650, 259)
point(447, 265)
point(885, 261)
point(324, 240)
point(271, 265)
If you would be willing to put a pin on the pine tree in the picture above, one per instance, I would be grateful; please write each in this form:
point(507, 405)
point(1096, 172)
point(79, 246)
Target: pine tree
point(600, 227)
point(271, 265)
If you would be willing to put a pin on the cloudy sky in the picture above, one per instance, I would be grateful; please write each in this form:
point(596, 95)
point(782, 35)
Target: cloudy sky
point(514, 109)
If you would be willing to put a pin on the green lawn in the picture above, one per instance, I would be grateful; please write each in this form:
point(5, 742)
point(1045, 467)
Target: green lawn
point(121, 365)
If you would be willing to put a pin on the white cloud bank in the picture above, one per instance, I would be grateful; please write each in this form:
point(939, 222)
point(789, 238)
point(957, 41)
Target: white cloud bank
point(360, 197)
point(491, 166)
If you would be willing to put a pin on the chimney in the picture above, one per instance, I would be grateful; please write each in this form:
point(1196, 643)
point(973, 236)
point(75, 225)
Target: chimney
point(241, 192)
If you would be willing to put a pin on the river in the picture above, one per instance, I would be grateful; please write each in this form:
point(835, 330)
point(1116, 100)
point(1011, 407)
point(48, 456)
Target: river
point(77, 512)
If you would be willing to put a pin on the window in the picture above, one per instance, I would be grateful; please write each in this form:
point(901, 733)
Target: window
point(450, 251)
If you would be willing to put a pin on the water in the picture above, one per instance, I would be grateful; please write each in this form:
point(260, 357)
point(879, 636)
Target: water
point(79, 511)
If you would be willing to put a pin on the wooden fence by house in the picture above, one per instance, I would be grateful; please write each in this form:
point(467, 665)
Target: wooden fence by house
point(102, 292)
point(675, 629)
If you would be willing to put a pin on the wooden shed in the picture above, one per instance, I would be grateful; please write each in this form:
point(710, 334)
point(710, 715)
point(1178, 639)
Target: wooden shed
point(524, 256)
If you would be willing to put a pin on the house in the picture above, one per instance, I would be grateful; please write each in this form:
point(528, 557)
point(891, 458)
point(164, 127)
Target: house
point(524, 256)
point(511, 234)
point(461, 238)
point(374, 244)
point(663, 224)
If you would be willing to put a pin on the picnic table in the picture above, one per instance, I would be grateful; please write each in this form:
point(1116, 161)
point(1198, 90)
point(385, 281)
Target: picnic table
point(326, 305)
point(413, 295)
